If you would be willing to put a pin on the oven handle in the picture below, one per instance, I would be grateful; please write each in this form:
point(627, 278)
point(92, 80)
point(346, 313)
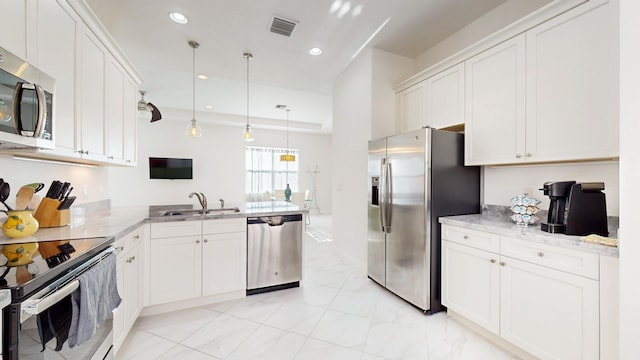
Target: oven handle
point(36, 306)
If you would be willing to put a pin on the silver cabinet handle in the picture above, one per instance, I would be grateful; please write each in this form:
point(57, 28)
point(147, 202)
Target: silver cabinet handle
point(136, 237)
point(197, 241)
point(493, 261)
point(529, 155)
point(205, 240)
point(466, 237)
point(502, 263)
point(541, 254)
point(518, 156)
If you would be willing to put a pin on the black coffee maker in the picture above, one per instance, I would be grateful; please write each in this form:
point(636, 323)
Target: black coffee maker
point(576, 208)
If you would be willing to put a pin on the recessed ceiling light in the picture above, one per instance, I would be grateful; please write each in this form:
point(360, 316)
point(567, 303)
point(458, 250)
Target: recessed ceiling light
point(178, 18)
point(203, 77)
point(315, 51)
point(208, 107)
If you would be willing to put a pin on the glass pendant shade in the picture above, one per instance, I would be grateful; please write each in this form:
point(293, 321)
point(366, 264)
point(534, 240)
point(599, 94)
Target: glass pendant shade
point(193, 129)
point(247, 133)
point(287, 156)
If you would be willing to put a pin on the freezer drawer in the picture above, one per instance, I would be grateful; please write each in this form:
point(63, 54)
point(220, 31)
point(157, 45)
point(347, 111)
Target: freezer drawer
point(274, 252)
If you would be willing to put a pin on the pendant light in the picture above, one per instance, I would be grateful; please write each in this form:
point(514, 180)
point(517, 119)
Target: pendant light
point(287, 156)
point(193, 128)
point(247, 129)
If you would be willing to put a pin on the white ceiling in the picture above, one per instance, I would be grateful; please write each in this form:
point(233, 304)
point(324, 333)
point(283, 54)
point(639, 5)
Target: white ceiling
point(281, 71)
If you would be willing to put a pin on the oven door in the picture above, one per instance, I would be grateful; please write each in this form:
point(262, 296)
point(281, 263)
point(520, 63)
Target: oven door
point(22, 335)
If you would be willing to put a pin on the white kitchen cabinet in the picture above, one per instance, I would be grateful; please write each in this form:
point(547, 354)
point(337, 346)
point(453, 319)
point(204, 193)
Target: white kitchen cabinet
point(57, 26)
point(130, 119)
point(411, 107)
point(14, 22)
point(210, 259)
point(129, 270)
point(548, 313)
point(90, 128)
point(572, 85)
point(541, 298)
point(471, 284)
point(495, 104)
point(445, 98)
point(114, 110)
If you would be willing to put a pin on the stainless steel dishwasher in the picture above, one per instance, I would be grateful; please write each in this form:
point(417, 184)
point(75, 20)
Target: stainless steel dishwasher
point(274, 253)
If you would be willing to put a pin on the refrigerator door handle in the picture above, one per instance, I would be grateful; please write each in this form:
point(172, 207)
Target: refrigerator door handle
point(382, 193)
point(388, 197)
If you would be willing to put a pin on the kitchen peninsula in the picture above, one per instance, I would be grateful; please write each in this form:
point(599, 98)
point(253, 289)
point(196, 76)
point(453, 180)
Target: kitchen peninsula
point(168, 257)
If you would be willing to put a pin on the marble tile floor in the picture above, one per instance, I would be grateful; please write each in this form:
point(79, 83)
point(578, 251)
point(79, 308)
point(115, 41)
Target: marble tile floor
point(336, 314)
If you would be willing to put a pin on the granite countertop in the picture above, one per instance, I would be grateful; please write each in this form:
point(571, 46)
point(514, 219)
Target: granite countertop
point(500, 224)
point(121, 220)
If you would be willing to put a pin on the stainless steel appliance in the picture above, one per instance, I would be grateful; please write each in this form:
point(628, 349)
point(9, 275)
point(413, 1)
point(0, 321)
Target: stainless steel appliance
point(41, 283)
point(414, 178)
point(274, 253)
point(26, 104)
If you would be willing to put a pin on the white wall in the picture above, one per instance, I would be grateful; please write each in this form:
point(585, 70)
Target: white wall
point(494, 20)
point(351, 132)
point(503, 183)
point(388, 70)
point(629, 178)
point(89, 184)
point(363, 108)
point(218, 161)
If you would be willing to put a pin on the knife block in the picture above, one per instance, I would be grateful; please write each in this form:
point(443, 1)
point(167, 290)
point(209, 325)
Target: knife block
point(48, 214)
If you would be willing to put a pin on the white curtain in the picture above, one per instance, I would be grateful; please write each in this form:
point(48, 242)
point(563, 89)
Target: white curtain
point(266, 173)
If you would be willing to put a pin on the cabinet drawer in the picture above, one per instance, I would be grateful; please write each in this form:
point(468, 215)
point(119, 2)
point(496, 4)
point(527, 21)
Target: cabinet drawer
point(477, 239)
point(134, 238)
point(221, 226)
point(568, 260)
point(175, 229)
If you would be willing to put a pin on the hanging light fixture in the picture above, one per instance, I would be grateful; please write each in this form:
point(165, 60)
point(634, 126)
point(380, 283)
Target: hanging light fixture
point(194, 129)
point(247, 128)
point(287, 156)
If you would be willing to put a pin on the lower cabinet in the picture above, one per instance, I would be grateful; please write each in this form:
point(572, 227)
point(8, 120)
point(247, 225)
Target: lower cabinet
point(209, 260)
point(129, 270)
point(547, 312)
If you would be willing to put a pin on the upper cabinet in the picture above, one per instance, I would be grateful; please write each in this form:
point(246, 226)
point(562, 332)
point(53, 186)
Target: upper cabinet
point(495, 104)
point(445, 98)
point(544, 89)
point(95, 99)
point(572, 85)
point(411, 109)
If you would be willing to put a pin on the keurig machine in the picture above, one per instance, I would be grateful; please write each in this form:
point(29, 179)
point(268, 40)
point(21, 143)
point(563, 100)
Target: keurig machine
point(576, 208)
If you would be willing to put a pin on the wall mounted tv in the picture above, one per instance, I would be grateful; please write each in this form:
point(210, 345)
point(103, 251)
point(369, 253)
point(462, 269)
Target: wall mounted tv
point(170, 168)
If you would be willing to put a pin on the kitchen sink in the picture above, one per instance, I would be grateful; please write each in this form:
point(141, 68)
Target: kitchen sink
point(201, 212)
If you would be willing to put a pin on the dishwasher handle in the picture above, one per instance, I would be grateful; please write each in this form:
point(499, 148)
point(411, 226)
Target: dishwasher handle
point(274, 220)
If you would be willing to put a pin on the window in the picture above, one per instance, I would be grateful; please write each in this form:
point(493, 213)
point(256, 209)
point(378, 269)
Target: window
point(266, 173)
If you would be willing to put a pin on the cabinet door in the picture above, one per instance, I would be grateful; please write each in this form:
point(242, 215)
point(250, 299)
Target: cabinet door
point(130, 122)
point(92, 97)
point(56, 52)
point(445, 98)
point(14, 22)
point(175, 269)
point(224, 263)
point(114, 111)
point(471, 284)
point(549, 313)
point(119, 317)
point(133, 285)
point(495, 105)
point(411, 104)
point(572, 85)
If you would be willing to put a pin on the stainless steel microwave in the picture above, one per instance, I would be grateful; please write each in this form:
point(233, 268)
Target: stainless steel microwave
point(26, 104)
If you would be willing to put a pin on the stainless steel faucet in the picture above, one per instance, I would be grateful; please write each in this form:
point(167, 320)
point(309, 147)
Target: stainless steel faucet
point(221, 203)
point(201, 199)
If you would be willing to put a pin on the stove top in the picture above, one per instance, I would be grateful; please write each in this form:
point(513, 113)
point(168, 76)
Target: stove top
point(25, 267)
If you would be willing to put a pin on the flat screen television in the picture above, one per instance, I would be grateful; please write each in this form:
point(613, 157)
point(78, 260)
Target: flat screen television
point(170, 168)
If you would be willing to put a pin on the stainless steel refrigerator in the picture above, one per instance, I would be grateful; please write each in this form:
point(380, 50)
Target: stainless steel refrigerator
point(414, 178)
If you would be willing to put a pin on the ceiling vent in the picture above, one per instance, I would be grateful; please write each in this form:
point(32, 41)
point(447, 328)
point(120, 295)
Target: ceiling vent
point(282, 26)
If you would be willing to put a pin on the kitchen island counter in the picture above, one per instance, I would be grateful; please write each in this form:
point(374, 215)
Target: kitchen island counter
point(121, 220)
